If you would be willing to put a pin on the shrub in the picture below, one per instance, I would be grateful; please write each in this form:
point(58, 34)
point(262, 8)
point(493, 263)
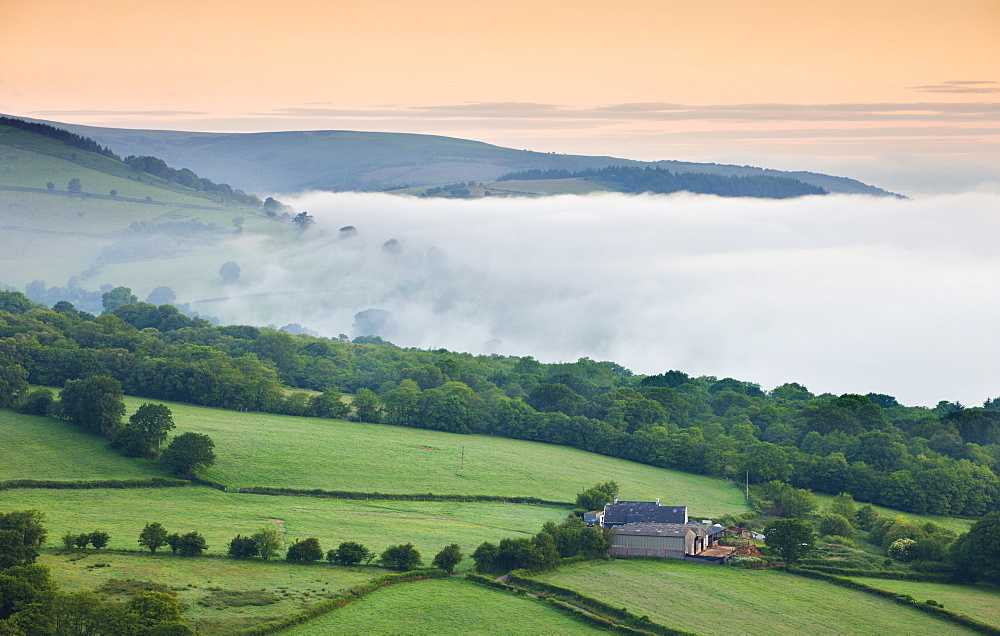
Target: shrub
point(269, 542)
point(304, 551)
point(191, 544)
point(902, 549)
point(99, 538)
point(349, 553)
point(241, 547)
point(400, 557)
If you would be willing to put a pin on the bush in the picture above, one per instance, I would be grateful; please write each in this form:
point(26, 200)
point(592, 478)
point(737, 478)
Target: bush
point(400, 557)
point(190, 544)
point(839, 540)
point(242, 547)
point(304, 551)
point(832, 524)
point(349, 553)
point(36, 402)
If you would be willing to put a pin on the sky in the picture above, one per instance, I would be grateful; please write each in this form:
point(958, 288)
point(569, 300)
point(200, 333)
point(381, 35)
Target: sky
point(903, 94)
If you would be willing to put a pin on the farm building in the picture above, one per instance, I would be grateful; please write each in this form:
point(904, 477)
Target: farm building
point(693, 541)
point(619, 513)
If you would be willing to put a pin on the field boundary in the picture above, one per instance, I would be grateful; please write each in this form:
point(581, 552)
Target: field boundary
point(900, 599)
point(352, 593)
point(360, 496)
point(89, 484)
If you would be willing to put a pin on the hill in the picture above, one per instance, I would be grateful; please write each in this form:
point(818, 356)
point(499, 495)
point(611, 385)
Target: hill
point(69, 214)
point(338, 160)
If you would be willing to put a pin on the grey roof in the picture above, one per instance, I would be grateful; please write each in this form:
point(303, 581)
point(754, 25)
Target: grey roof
point(643, 511)
point(655, 529)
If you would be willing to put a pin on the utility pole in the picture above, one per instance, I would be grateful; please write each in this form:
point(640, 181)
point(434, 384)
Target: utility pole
point(748, 485)
point(463, 461)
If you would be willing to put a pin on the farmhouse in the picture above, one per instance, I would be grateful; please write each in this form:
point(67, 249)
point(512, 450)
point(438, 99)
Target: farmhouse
point(619, 513)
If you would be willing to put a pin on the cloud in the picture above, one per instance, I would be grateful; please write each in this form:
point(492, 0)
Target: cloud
point(840, 293)
point(961, 87)
point(116, 113)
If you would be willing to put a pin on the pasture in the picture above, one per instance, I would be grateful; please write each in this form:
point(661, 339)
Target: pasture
point(258, 449)
point(978, 601)
point(221, 594)
point(219, 516)
point(712, 599)
point(443, 606)
point(34, 447)
point(955, 524)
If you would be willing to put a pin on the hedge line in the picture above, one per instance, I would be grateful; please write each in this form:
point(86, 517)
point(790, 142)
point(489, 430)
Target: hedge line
point(594, 605)
point(350, 594)
point(349, 494)
point(152, 482)
point(901, 599)
point(896, 575)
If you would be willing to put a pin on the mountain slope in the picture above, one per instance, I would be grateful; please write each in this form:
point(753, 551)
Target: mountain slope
point(339, 160)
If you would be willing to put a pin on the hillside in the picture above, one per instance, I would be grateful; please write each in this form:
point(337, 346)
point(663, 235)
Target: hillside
point(338, 160)
point(115, 217)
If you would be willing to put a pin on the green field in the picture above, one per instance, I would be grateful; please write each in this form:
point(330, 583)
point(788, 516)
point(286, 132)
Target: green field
point(213, 589)
point(978, 601)
point(34, 447)
point(711, 599)
point(257, 449)
point(443, 606)
point(220, 516)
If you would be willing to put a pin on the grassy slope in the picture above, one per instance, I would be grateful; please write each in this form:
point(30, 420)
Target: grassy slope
point(195, 579)
point(256, 449)
point(444, 606)
point(978, 601)
point(33, 447)
point(220, 516)
point(52, 236)
point(712, 599)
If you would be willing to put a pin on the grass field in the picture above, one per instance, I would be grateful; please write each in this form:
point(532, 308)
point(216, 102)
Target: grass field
point(256, 449)
point(220, 516)
point(711, 599)
point(443, 606)
point(33, 447)
point(978, 601)
point(220, 593)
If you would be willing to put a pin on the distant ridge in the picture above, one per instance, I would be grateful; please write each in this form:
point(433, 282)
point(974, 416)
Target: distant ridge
point(341, 160)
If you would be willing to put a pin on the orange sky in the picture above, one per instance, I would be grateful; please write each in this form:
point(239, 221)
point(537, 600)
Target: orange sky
point(844, 80)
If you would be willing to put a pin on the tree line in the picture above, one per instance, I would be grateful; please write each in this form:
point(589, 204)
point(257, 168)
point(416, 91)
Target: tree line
point(658, 180)
point(940, 460)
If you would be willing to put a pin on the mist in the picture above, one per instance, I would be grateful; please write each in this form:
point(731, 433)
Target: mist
point(840, 293)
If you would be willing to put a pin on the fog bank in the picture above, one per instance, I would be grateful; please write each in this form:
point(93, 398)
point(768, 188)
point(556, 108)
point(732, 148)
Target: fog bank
point(840, 293)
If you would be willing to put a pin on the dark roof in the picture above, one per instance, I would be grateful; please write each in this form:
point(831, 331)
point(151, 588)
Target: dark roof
point(656, 529)
point(643, 511)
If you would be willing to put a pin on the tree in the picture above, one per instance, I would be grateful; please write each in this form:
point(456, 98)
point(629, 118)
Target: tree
point(188, 452)
point(843, 505)
point(486, 557)
point(191, 544)
point(976, 554)
point(367, 406)
point(230, 272)
point(330, 403)
point(349, 553)
point(153, 536)
point(95, 403)
point(302, 220)
point(790, 538)
point(595, 497)
point(448, 558)
point(36, 402)
point(112, 300)
point(241, 547)
point(50, 185)
point(153, 422)
point(304, 551)
point(400, 557)
point(269, 542)
point(13, 383)
point(74, 185)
